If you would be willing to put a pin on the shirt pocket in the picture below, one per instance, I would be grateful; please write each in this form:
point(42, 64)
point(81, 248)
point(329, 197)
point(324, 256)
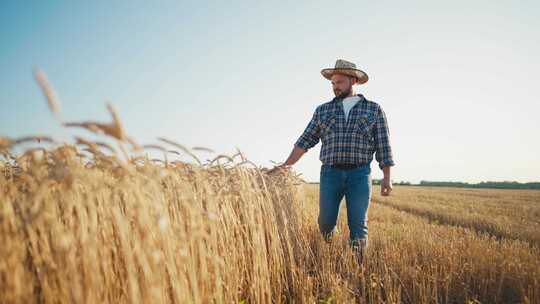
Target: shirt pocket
point(364, 127)
point(328, 125)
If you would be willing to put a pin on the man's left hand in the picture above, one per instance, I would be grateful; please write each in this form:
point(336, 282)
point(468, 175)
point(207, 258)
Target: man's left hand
point(386, 186)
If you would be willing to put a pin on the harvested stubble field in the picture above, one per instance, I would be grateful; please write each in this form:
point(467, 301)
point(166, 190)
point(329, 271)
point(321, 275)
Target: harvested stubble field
point(93, 223)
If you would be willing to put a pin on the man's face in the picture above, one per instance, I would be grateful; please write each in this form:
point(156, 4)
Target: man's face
point(342, 85)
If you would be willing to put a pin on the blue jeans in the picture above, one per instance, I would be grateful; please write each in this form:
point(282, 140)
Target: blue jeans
point(355, 185)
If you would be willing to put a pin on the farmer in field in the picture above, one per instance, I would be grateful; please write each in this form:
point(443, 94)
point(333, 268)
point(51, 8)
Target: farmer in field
point(351, 129)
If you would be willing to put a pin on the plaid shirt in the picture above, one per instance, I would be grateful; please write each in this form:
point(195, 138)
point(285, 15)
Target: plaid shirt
point(353, 141)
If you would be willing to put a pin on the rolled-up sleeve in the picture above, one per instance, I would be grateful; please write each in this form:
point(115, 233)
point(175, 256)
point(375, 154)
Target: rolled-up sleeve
point(383, 149)
point(311, 135)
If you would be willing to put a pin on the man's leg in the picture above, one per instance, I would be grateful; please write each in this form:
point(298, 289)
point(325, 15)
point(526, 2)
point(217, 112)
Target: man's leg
point(358, 191)
point(331, 192)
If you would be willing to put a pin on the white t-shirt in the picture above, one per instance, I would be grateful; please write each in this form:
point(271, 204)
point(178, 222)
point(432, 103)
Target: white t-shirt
point(348, 103)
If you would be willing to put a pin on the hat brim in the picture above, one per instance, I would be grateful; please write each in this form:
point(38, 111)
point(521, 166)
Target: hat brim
point(360, 75)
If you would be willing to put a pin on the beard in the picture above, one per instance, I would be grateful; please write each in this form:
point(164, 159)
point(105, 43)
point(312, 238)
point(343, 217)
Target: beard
point(344, 93)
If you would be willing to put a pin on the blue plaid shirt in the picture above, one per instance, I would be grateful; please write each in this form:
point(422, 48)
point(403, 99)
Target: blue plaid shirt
point(353, 141)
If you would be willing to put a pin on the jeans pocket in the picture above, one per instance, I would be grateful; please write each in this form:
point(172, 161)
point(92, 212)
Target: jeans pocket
point(365, 169)
point(324, 169)
point(327, 171)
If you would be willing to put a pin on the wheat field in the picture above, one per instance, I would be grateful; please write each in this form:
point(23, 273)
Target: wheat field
point(102, 222)
point(185, 234)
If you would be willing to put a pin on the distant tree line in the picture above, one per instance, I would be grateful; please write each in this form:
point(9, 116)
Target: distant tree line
point(403, 183)
point(488, 184)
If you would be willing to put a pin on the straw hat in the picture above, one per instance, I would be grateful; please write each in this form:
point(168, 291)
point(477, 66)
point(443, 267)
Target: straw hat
point(347, 68)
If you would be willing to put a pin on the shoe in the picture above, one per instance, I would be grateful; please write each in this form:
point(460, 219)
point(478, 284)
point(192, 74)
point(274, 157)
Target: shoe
point(359, 248)
point(328, 237)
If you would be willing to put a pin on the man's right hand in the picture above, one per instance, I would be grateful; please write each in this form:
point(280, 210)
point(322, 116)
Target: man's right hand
point(295, 155)
point(280, 167)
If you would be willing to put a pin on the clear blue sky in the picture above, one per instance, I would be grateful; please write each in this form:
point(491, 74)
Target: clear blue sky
point(457, 79)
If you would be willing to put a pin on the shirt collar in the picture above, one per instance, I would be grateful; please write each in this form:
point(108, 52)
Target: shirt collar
point(338, 99)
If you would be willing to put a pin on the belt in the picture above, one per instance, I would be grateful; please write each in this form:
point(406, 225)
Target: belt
point(346, 166)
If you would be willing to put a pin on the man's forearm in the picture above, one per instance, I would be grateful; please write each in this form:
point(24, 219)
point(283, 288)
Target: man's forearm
point(295, 155)
point(386, 172)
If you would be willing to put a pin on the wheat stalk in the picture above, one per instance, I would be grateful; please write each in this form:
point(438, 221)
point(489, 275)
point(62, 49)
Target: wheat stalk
point(48, 92)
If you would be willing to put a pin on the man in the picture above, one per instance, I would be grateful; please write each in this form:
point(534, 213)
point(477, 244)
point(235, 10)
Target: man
point(351, 129)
